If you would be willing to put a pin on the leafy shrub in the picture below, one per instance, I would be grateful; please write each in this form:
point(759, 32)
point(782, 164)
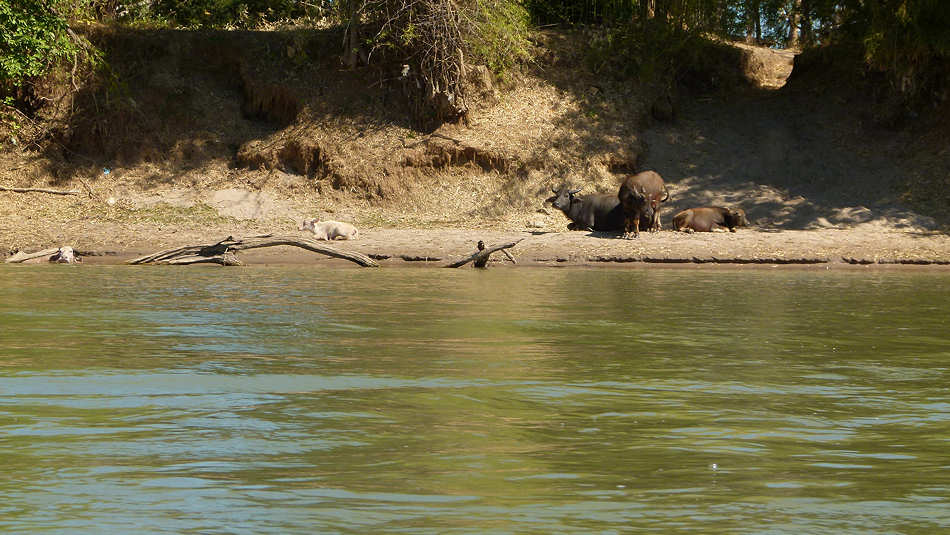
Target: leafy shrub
point(231, 13)
point(911, 41)
point(574, 12)
point(660, 54)
point(499, 35)
point(33, 39)
point(42, 64)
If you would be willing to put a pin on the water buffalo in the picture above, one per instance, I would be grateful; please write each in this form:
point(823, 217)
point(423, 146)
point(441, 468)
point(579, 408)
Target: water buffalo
point(709, 219)
point(640, 196)
point(598, 211)
point(329, 230)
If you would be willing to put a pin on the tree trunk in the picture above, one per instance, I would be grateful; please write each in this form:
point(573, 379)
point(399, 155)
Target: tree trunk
point(351, 41)
point(722, 19)
point(805, 17)
point(753, 22)
point(793, 21)
point(749, 23)
point(758, 21)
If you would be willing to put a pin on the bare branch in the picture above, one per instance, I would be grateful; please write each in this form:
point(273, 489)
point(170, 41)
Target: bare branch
point(480, 257)
point(218, 252)
point(40, 190)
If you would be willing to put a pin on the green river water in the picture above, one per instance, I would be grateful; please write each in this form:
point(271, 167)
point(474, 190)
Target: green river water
point(530, 400)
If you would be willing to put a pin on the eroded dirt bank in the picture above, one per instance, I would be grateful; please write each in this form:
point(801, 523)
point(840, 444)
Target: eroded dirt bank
point(825, 247)
point(223, 150)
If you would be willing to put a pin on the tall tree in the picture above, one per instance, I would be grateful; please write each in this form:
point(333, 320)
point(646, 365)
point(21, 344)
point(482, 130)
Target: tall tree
point(807, 36)
point(753, 22)
point(794, 18)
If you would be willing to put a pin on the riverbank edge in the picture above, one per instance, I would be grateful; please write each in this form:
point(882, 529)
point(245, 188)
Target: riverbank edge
point(821, 248)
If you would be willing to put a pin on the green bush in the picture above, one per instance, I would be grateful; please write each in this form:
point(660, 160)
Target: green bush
point(499, 38)
point(231, 13)
point(580, 12)
point(661, 55)
point(911, 41)
point(33, 39)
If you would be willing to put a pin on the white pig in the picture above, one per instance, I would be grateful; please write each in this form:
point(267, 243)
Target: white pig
point(330, 230)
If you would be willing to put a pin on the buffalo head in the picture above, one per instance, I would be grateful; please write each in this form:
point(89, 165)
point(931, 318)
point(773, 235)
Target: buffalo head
point(636, 200)
point(738, 218)
point(563, 198)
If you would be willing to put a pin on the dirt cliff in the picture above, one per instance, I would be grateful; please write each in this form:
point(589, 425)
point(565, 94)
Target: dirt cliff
point(201, 134)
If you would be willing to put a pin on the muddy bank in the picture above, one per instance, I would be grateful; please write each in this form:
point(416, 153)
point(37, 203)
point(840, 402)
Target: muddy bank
point(417, 247)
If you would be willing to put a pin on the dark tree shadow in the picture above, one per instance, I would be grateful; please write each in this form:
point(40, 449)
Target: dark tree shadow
point(181, 99)
point(792, 158)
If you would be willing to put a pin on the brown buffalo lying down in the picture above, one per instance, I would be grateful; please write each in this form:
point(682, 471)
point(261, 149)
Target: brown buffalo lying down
point(709, 219)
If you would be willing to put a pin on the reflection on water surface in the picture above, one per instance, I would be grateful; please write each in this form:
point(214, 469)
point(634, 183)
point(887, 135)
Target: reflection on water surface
point(303, 400)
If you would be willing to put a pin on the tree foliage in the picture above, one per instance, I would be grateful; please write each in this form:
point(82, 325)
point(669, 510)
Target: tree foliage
point(437, 39)
point(911, 41)
point(222, 13)
point(33, 39)
point(38, 53)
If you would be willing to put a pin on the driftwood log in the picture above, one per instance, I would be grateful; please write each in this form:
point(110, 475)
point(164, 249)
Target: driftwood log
point(480, 257)
point(40, 190)
point(62, 255)
point(223, 251)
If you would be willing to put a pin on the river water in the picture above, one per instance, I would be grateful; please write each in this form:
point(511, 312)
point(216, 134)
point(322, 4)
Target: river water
point(529, 400)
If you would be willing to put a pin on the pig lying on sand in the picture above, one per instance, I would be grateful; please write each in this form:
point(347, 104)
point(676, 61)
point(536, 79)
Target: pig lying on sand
point(330, 230)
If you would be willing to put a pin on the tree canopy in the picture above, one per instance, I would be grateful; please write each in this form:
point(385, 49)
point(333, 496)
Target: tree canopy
point(909, 39)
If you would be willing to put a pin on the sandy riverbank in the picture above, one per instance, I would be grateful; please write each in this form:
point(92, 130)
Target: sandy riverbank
point(824, 247)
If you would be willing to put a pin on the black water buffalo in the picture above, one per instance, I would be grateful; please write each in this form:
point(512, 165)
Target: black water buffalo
point(598, 211)
point(709, 219)
point(640, 196)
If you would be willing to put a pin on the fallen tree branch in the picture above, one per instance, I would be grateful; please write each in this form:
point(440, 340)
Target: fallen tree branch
point(21, 257)
point(60, 255)
point(222, 251)
point(480, 257)
point(40, 190)
point(226, 259)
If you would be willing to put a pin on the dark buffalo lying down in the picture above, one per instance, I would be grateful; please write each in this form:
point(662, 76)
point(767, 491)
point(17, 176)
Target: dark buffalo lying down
point(640, 196)
point(709, 219)
point(598, 211)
